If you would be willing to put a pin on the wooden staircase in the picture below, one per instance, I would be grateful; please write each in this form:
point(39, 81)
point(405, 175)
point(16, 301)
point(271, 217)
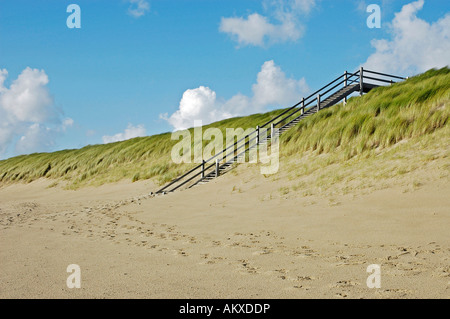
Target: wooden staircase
point(333, 93)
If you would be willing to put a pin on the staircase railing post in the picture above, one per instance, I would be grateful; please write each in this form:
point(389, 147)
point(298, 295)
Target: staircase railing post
point(217, 167)
point(203, 169)
point(272, 130)
point(345, 85)
point(361, 81)
point(303, 106)
point(257, 135)
point(318, 102)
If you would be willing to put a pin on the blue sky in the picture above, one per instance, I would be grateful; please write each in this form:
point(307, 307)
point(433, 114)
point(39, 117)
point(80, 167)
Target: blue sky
point(142, 67)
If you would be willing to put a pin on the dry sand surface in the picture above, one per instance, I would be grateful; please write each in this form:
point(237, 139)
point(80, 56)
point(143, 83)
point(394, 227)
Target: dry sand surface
point(236, 237)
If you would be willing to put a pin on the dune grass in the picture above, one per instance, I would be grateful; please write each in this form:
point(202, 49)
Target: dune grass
point(383, 117)
point(410, 164)
point(364, 127)
point(135, 159)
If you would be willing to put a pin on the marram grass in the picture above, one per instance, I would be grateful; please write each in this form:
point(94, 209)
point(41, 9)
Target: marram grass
point(383, 117)
point(135, 159)
point(380, 119)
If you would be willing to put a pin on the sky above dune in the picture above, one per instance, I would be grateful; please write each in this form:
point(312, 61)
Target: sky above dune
point(143, 67)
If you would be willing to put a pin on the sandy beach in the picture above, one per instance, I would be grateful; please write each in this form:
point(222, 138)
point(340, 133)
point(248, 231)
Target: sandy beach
point(236, 237)
point(235, 151)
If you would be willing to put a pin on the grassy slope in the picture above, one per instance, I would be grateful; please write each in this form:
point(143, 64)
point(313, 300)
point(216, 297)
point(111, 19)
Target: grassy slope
point(380, 119)
point(134, 159)
point(362, 129)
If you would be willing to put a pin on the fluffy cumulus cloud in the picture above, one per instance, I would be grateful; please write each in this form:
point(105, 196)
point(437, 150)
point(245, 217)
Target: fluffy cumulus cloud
point(251, 30)
point(415, 45)
point(257, 30)
point(197, 104)
point(130, 132)
point(138, 8)
point(29, 122)
point(272, 89)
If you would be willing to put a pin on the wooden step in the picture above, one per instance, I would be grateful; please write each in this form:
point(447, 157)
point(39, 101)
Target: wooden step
point(329, 101)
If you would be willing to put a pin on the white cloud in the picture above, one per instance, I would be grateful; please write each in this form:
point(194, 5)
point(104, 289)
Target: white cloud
point(36, 137)
point(289, 6)
point(29, 122)
point(196, 104)
point(130, 132)
point(28, 98)
point(415, 45)
point(252, 30)
point(304, 5)
point(67, 122)
point(256, 29)
point(6, 136)
point(3, 76)
point(138, 8)
point(272, 89)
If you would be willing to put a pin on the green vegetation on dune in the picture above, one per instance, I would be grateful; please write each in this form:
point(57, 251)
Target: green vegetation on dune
point(378, 120)
point(134, 159)
point(382, 118)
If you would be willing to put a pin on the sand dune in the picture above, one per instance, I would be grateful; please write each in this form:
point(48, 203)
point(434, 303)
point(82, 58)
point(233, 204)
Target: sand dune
point(237, 237)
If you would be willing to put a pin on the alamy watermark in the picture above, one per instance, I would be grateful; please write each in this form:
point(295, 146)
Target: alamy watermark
point(74, 279)
point(374, 19)
point(374, 279)
point(74, 19)
point(191, 149)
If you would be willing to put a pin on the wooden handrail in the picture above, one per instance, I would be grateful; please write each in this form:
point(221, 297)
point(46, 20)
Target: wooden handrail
point(305, 102)
point(179, 178)
point(375, 79)
point(307, 98)
point(384, 74)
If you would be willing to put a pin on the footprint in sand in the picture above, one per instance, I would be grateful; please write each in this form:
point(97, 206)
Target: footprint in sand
point(210, 260)
point(265, 251)
point(181, 252)
point(306, 278)
point(248, 268)
point(345, 284)
point(390, 293)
